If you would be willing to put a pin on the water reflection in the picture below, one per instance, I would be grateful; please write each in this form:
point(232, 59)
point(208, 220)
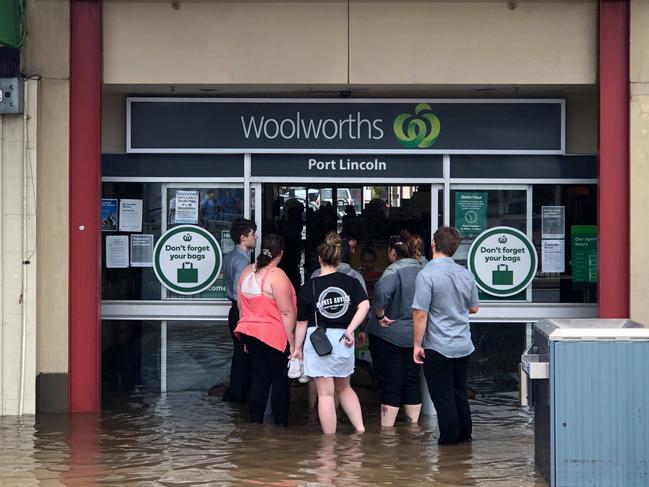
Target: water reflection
point(193, 439)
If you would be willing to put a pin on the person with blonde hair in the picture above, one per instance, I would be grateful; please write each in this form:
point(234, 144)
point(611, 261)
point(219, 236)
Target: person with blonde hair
point(338, 304)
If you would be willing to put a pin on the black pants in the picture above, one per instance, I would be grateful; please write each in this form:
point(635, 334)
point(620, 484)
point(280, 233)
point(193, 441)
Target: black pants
point(446, 379)
point(397, 372)
point(268, 368)
point(240, 368)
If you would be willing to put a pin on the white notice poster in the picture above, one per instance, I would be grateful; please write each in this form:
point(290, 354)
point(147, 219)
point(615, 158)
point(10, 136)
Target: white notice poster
point(186, 207)
point(553, 222)
point(117, 251)
point(141, 250)
point(130, 215)
point(553, 255)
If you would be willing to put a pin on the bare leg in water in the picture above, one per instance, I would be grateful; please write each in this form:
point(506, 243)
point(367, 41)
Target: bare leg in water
point(326, 404)
point(349, 402)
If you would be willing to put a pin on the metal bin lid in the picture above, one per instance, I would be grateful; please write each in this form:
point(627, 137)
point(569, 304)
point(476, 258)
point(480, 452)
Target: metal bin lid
point(593, 329)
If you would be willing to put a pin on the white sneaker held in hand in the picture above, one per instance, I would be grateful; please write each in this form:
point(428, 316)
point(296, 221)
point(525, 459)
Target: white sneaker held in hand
point(294, 368)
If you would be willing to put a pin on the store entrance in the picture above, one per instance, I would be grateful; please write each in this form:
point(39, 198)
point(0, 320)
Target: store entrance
point(304, 213)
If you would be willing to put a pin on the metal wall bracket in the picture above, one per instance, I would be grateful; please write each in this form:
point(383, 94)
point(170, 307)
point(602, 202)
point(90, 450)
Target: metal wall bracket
point(11, 95)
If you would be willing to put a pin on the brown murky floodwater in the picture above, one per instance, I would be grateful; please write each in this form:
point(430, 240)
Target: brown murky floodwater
point(188, 437)
point(191, 438)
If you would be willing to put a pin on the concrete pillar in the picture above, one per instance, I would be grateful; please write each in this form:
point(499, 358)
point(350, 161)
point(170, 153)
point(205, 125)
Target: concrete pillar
point(639, 170)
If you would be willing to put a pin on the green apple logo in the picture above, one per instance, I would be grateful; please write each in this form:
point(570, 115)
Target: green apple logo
point(419, 130)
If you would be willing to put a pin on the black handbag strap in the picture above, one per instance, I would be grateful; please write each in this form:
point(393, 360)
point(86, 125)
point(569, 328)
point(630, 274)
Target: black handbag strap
point(315, 302)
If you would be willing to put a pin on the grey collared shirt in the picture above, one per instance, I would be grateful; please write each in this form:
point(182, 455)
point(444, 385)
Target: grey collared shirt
point(446, 291)
point(234, 262)
point(394, 293)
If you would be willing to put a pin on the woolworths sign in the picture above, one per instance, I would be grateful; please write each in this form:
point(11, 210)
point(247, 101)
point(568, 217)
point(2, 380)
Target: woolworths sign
point(335, 126)
point(503, 261)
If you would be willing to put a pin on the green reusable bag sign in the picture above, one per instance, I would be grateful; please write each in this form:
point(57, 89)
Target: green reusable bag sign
point(502, 276)
point(503, 261)
point(187, 273)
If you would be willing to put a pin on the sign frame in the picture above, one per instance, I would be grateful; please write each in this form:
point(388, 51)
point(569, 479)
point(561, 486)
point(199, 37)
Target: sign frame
point(206, 283)
point(529, 278)
point(342, 150)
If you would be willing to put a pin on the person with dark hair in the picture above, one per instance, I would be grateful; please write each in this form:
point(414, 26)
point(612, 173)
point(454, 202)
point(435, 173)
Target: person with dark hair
point(417, 245)
point(369, 271)
point(243, 234)
point(339, 304)
point(390, 330)
point(267, 328)
point(445, 295)
point(351, 242)
point(291, 230)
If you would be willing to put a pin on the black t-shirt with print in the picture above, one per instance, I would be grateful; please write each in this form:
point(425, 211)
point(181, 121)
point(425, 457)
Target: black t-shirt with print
point(337, 296)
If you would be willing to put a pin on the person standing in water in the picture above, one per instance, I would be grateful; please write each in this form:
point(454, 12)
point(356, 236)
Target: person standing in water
point(267, 328)
point(445, 295)
point(390, 330)
point(243, 234)
point(338, 303)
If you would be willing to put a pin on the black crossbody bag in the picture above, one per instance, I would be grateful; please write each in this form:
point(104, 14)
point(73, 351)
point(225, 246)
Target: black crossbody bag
point(319, 339)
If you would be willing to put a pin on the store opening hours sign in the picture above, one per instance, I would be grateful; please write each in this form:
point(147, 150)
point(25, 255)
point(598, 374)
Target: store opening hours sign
point(187, 259)
point(503, 261)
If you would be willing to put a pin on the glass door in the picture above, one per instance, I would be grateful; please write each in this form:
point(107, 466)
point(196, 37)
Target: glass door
point(370, 214)
point(476, 208)
point(212, 206)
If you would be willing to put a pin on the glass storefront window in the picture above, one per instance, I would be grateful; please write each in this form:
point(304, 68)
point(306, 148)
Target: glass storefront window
point(139, 283)
point(130, 357)
point(493, 367)
point(194, 355)
point(474, 211)
point(563, 223)
point(218, 206)
point(564, 231)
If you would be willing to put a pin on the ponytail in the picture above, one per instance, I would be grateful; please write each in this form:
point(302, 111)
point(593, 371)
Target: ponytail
point(272, 246)
point(400, 244)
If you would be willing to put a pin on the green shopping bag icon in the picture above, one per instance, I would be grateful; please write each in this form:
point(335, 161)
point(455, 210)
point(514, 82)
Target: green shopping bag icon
point(187, 274)
point(502, 276)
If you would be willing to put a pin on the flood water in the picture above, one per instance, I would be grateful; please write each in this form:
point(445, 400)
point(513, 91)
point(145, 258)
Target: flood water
point(187, 437)
point(191, 438)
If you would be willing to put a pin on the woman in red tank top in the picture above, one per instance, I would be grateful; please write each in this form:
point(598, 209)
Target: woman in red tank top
point(266, 302)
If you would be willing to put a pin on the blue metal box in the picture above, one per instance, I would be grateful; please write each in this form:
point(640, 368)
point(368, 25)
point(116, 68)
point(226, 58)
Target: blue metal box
point(591, 402)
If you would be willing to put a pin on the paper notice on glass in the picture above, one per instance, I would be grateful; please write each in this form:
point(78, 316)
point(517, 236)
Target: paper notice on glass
point(130, 215)
point(108, 214)
point(186, 207)
point(141, 250)
point(553, 255)
point(553, 222)
point(117, 251)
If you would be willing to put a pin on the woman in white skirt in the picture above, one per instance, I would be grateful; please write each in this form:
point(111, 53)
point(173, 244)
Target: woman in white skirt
point(339, 304)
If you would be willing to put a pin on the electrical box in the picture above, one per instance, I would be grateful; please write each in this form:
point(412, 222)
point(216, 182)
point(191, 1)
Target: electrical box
point(11, 95)
point(591, 401)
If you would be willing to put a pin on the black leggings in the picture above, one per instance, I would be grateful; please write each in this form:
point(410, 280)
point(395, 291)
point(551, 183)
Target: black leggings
point(397, 372)
point(268, 366)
